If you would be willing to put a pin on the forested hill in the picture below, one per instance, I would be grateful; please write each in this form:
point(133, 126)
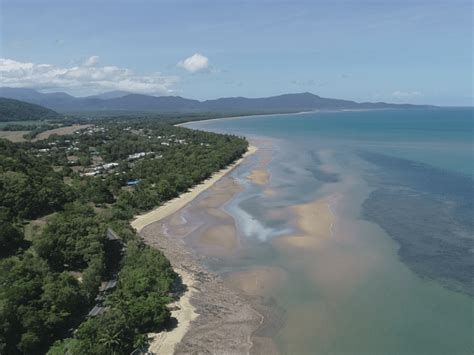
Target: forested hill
point(16, 110)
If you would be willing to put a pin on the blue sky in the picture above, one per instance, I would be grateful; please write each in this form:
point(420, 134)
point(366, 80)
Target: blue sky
point(397, 51)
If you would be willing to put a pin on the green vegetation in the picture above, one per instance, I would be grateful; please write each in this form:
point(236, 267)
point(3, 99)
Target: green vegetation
point(19, 126)
point(138, 306)
point(162, 117)
point(15, 110)
point(86, 183)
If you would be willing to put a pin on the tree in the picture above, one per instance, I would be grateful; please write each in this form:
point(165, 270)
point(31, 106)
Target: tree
point(71, 238)
point(10, 238)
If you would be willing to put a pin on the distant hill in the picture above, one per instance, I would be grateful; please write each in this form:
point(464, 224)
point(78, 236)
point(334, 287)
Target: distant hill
point(123, 101)
point(16, 110)
point(110, 95)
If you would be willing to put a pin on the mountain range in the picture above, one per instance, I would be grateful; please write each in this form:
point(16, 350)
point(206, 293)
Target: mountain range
point(124, 101)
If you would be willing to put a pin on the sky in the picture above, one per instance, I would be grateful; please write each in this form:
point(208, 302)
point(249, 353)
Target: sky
point(385, 50)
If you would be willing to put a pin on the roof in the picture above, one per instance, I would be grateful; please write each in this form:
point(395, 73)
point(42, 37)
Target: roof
point(97, 310)
point(111, 235)
point(108, 285)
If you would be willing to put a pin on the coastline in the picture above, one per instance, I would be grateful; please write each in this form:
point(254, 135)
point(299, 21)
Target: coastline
point(183, 124)
point(241, 318)
point(174, 205)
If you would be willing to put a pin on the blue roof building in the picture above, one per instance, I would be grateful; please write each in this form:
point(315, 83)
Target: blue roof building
point(133, 182)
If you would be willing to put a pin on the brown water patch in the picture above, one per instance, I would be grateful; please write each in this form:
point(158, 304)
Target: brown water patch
point(315, 218)
point(296, 243)
point(277, 213)
point(219, 239)
point(307, 320)
point(263, 345)
point(257, 281)
point(259, 176)
point(220, 193)
point(270, 192)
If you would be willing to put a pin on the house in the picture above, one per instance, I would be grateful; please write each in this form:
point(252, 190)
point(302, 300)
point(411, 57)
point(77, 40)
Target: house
point(109, 166)
point(91, 173)
point(136, 156)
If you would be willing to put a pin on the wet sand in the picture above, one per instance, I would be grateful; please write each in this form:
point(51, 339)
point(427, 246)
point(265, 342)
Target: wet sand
point(211, 317)
point(224, 321)
point(261, 175)
point(182, 200)
point(217, 234)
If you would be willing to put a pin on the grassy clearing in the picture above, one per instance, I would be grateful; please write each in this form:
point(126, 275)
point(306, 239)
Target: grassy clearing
point(13, 136)
point(62, 131)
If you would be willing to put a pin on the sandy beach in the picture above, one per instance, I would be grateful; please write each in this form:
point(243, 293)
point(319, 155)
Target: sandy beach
point(182, 200)
point(165, 342)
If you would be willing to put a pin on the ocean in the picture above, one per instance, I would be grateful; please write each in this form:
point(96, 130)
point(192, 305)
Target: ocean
point(366, 226)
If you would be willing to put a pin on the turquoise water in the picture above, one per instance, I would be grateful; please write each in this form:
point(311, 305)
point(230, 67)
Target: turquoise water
point(396, 276)
point(442, 137)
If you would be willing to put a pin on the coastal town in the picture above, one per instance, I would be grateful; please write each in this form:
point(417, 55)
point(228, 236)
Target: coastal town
point(67, 203)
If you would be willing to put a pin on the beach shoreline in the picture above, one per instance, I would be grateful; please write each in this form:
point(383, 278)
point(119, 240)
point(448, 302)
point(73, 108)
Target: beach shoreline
point(240, 318)
point(257, 115)
point(174, 205)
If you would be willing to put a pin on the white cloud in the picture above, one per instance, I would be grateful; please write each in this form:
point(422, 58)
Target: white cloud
point(85, 78)
point(92, 61)
point(195, 63)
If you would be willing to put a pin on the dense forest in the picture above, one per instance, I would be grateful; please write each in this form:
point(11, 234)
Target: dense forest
point(15, 110)
point(61, 201)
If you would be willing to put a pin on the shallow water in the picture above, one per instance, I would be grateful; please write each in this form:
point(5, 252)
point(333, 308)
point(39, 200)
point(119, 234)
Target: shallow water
point(394, 275)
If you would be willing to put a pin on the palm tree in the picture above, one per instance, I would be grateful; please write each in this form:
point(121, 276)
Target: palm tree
point(111, 340)
point(141, 342)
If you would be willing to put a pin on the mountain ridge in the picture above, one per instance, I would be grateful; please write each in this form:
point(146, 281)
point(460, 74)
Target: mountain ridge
point(124, 101)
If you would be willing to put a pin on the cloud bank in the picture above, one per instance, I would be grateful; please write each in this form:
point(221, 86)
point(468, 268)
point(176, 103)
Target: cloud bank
point(196, 62)
point(86, 77)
